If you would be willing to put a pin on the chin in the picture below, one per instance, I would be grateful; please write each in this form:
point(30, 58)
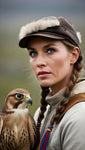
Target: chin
point(45, 84)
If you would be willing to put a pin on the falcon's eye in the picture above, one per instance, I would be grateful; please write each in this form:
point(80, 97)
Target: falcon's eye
point(19, 96)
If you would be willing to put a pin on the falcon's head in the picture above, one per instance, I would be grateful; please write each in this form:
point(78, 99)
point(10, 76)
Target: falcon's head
point(17, 99)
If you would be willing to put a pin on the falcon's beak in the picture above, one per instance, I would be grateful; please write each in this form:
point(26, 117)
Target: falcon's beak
point(27, 99)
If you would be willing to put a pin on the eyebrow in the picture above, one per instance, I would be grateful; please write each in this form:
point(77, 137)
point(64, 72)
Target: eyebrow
point(44, 47)
point(30, 48)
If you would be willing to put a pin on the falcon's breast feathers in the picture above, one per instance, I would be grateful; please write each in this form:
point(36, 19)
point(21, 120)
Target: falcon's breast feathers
point(17, 126)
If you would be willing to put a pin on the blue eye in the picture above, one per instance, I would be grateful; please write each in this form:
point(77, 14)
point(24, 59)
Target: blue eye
point(50, 51)
point(32, 54)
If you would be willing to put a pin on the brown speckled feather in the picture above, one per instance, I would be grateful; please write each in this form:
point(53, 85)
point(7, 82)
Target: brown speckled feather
point(17, 130)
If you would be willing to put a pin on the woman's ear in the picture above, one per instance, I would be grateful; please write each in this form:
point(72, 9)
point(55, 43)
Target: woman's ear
point(75, 55)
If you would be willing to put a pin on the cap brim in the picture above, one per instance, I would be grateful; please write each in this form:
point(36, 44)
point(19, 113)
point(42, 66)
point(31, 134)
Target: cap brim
point(23, 43)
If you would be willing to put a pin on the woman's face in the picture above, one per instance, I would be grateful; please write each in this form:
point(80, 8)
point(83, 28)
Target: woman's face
point(51, 62)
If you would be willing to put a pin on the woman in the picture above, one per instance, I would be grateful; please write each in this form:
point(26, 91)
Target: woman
point(55, 57)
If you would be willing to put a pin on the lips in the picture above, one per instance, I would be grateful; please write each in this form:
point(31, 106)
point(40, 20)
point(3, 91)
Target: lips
point(43, 74)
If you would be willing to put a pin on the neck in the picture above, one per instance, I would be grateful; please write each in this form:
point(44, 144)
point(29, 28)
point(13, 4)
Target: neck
point(57, 87)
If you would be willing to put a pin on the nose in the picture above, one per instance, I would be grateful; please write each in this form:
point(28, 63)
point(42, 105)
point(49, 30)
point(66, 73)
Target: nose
point(41, 61)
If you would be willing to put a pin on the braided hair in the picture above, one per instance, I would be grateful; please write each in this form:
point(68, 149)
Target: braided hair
point(64, 99)
point(44, 93)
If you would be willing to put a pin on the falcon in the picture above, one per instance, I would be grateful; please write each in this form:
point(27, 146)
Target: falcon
point(17, 127)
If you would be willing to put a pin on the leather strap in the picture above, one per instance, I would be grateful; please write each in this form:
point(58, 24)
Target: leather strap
point(74, 100)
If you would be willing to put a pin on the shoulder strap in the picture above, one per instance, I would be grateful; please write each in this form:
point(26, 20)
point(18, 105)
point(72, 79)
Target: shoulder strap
point(74, 100)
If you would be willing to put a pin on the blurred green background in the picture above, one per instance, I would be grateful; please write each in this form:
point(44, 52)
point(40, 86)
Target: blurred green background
point(15, 71)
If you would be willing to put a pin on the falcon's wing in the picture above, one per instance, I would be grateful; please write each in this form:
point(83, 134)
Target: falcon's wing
point(32, 131)
point(1, 122)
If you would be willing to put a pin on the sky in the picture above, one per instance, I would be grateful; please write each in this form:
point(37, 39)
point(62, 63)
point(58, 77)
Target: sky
point(15, 13)
point(39, 8)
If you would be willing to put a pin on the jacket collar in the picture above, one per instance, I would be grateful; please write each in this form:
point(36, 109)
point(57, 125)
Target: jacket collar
point(54, 99)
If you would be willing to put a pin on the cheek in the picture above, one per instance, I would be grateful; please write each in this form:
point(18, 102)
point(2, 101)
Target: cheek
point(32, 64)
point(62, 63)
point(66, 67)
